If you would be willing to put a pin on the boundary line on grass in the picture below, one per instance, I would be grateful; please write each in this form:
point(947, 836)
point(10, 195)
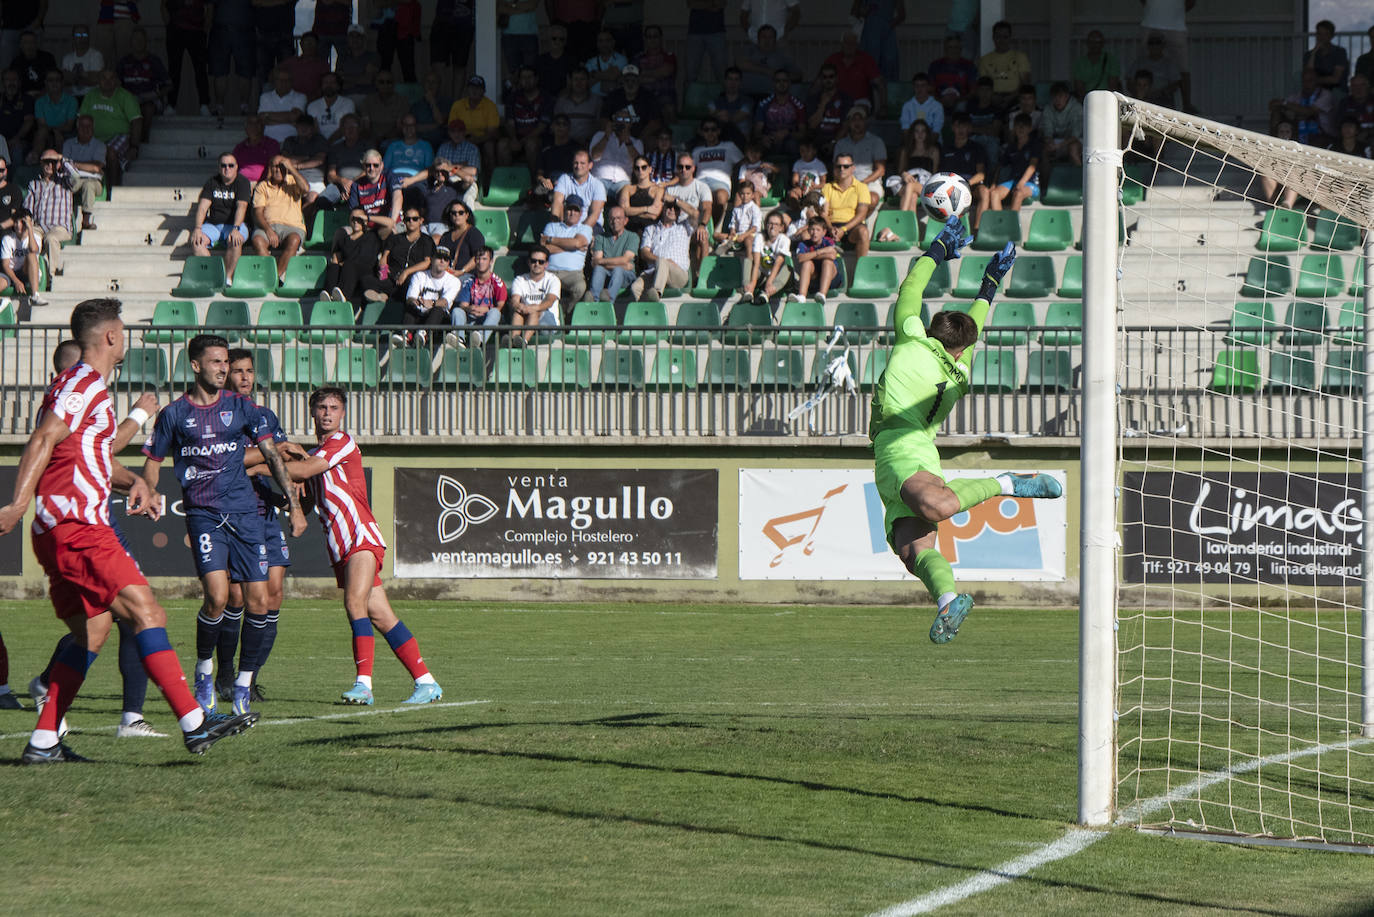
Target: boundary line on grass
point(1076, 840)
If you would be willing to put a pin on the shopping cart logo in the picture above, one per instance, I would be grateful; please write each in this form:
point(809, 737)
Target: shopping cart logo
point(798, 528)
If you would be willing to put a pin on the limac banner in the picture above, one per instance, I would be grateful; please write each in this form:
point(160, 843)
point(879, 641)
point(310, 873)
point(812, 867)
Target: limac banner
point(827, 524)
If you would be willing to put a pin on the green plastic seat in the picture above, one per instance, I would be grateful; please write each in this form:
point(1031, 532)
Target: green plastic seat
point(1133, 179)
point(1064, 188)
point(9, 319)
point(1072, 285)
point(228, 317)
point(143, 367)
point(1237, 371)
point(697, 323)
point(780, 368)
point(527, 229)
point(1252, 324)
point(461, 368)
point(1268, 275)
point(201, 276)
point(727, 369)
point(1321, 276)
point(255, 276)
point(996, 229)
point(495, 226)
point(808, 314)
point(330, 322)
point(901, 222)
point(326, 223)
point(508, 185)
point(1009, 324)
point(591, 322)
point(169, 314)
point(1304, 325)
point(304, 275)
point(356, 367)
point(1050, 369)
point(1344, 371)
point(874, 276)
point(1050, 231)
point(1063, 324)
point(859, 320)
point(1334, 232)
point(971, 268)
point(277, 322)
point(995, 370)
point(939, 282)
point(506, 266)
point(745, 322)
point(898, 92)
point(697, 99)
point(1357, 281)
point(673, 369)
point(302, 368)
point(644, 323)
point(621, 368)
point(1350, 325)
point(1032, 277)
point(718, 276)
point(933, 229)
point(1293, 370)
point(873, 367)
point(818, 366)
point(409, 368)
point(515, 368)
point(1282, 230)
point(568, 368)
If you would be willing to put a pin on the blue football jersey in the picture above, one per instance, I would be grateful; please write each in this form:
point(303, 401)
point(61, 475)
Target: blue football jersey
point(206, 444)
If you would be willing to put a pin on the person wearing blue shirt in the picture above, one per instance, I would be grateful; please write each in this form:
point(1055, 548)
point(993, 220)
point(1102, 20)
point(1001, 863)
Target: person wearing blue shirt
point(568, 242)
point(410, 154)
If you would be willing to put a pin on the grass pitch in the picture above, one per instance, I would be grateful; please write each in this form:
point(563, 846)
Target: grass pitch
point(637, 759)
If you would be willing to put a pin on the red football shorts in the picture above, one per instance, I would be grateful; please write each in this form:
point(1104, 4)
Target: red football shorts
point(86, 566)
point(341, 568)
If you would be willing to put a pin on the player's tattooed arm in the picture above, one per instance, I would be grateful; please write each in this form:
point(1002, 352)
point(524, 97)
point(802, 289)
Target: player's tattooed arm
point(283, 478)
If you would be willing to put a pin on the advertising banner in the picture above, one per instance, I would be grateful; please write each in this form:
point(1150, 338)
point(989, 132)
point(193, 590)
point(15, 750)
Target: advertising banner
point(11, 545)
point(827, 524)
point(1251, 527)
point(577, 522)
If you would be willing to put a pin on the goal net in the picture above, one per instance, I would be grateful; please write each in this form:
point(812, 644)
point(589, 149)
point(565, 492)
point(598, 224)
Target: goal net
point(1233, 264)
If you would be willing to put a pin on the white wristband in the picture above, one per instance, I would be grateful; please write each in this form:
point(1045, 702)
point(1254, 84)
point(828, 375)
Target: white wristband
point(138, 416)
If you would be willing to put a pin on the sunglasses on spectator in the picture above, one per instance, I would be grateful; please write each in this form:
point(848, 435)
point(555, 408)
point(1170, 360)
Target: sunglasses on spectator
point(539, 261)
point(686, 165)
point(372, 165)
point(410, 219)
point(456, 211)
point(844, 165)
point(362, 221)
point(228, 165)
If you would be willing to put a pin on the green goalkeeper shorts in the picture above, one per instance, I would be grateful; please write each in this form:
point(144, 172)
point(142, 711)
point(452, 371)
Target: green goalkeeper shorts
point(897, 455)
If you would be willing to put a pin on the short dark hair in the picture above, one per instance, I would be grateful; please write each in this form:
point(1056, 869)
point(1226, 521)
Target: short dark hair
point(1059, 87)
point(921, 77)
point(1001, 24)
point(740, 73)
point(488, 251)
point(328, 391)
point(960, 117)
point(539, 249)
point(90, 315)
point(1022, 120)
point(196, 347)
point(1327, 23)
point(65, 354)
point(241, 353)
point(956, 330)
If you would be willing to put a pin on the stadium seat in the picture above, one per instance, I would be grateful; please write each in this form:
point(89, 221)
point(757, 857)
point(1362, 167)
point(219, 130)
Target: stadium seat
point(1321, 276)
point(818, 366)
point(1252, 324)
point(903, 223)
point(1133, 182)
point(508, 185)
point(356, 367)
point(9, 321)
point(330, 322)
point(1304, 325)
point(1334, 232)
point(621, 368)
point(1236, 371)
point(326, 223)
point(201, 276)
point(568, 368)
point(718, 276)
point(1344, 372)
point(1357, 279)
point(302, 368)
point(304, 274)
point(727, 369)
point(875, 276)
point(808, 314)
point(461, 368)
point(408, 368)
point(527, 229)
point(515, 368)
point(697, 323)
point(1296, 370)
point(971, 268)
point(228, 317)
point(591, 322)
point(933, 227)
point(495, 226)
point(644, 323)
point(996, 229)
point(1282, 230)
point(1063, 324)
point(995, 370)
point(1064, 188)
point(1350, 325)
point(673, 369)
point(169, 314)
point(1050, 369)
point(742, 326)
point(1009, 324)
point(874, 364)
point(277, 322)
point(1072, 285)
point(898, 92)
point(254, 276)
point(1050, 231)
point(508, 266)
point(858, 320)
point(1268, 275)
point(1032, 277)
point(143, 367)
point(781, 368)
point(697, 99)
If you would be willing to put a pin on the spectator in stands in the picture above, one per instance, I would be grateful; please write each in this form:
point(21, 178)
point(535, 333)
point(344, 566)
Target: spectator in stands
point(352, 254)
point(781, 117)
point(186, 38)
point(757, 170)
point(534, 298)
point(782, 16)
point(375, 194)
point(716, 160)
point(605, 65)
point(404, 254)
point(1061, 126)
point(769, 275)
point(20, 17)
point(1097, 68)
point(612, 150)
point(966, 159)
point(1025, 105)
point(114, 27)
point(86, 156)
point(922, 106)
point(481, 299)
point(519, 37)
point(278, 216)
point(1271, 192)
point(11, 196)
point(857, 74)
point(221, 212)
point(255, 150)
point(847, 202)
point(32, 64)
point(584, 185)
point(808, 170)
point(694, 201)
point(867, 151)
point(555, 159)
point(663, 158)
point(732, 108)
point(613, 259)
point(918, 160)
point(581, 22)
point(461, 238)
point(879, 37)
point(19, 258)
point(1364, 64)
point(230, 46)
point(568, 240)
point(736, 236)
point(557, 64)
point(581, 108)
point(985, 119)
point(451, 35)
point(330, 26)
point(528, 111)
point(664, 252)
point(144, 75)
point(408, 155)
point(431, 109)
point(465, 159)
point(625, 20)
point(1330, 61)
point(344, 164)
point(398, 29)
point(658, 70)
point(478, 113)
point(760, 62)
point(54, 113)
point(274, 26)
point(1163, 69)
point(1311, 109)
point(1008, 67)
point(306, 69)
point(50, 201)
point(118, 122)
point(1019, 171)
point(330, 108)
point(1349, 141)
point(642, 104)
point(817, 257)
point(1359, 105)
point(16, 117)
point(953, 76)
point(357, 67)
point(381, 110)
point(705, 37)
point(640, 201)
point(828, 105)
point(81, 65)
point(280, 106)
point(435, 195)
point(429, 296)
point(307, 152)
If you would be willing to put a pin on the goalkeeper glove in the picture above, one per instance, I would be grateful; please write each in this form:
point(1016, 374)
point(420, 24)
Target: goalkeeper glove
point(997, 268)
point(950, 242)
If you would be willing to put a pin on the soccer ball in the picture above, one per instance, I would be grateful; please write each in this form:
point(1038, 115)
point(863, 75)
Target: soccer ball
point(946, 195)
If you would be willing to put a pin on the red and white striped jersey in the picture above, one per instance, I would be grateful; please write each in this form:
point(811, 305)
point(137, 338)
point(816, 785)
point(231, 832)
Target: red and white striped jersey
point(340, 495)
point(76, 484)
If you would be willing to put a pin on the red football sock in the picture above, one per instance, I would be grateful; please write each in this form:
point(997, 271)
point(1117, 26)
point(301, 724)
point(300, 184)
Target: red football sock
point(63, 684)
point(409, 654)
point(363, 652)
point(165, 670)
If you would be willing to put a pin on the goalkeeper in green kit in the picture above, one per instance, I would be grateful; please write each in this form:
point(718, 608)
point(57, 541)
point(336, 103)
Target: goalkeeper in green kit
point(927, 372)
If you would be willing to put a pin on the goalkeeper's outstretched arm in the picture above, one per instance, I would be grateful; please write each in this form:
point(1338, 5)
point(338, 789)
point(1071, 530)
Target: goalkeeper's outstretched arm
point(997, 268)
point(948, 244)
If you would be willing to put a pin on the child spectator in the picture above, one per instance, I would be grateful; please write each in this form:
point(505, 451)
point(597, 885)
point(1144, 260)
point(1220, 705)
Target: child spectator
point(818, 261)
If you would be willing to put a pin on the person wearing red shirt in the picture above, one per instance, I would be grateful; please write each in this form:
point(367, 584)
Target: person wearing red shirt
point(857, 74)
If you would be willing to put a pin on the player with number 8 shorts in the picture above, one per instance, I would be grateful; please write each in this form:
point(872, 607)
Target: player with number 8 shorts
point(927, 372)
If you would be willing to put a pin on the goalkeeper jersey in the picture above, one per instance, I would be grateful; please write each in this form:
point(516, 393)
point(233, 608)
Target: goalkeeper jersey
point(922, 381)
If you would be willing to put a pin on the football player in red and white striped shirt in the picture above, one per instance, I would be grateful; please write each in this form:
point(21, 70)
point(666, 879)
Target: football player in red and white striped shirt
point(334, 477)
point(68, 464)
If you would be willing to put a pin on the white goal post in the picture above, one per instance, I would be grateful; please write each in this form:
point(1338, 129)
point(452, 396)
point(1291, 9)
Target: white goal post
point(1226, 682)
